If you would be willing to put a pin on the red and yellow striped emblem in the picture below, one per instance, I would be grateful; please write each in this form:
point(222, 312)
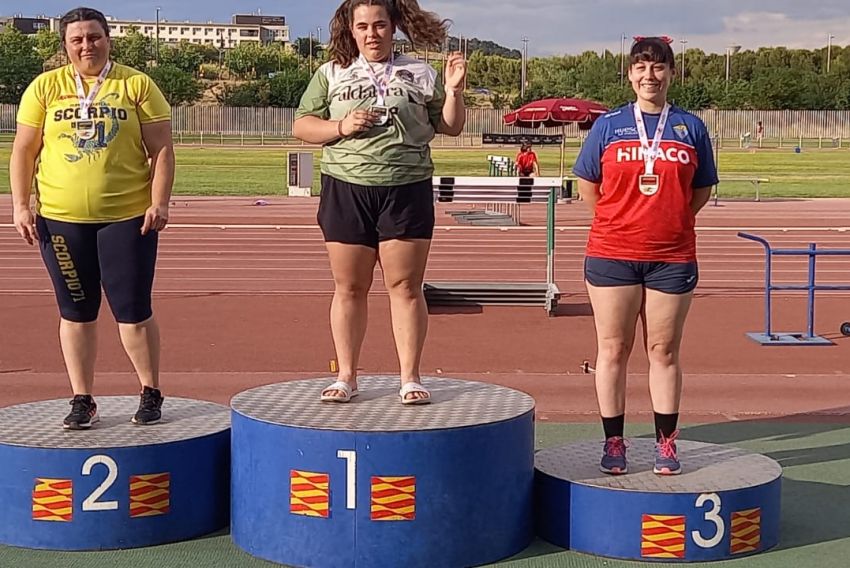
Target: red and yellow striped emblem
point(150, 495)
point(393, 498)
point(309, 494)
point(662, 536)
point(53, 500)
point(746, 531)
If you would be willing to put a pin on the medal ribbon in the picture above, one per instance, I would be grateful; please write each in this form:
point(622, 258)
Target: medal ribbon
point(382, 85)
point(86, 101)
point(650, 153)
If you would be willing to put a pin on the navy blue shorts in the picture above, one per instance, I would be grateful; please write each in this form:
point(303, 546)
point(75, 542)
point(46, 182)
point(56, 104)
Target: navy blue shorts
point(367, 215)
point(669, 277)
point(82, 257)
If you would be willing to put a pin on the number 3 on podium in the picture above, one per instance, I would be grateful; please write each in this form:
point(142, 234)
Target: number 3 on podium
point(712, 515)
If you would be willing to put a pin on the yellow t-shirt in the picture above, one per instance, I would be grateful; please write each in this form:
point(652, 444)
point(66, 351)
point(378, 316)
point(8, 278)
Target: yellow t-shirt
point(105, 178)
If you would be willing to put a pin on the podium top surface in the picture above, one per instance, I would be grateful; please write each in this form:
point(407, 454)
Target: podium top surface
point(454, 404)
point(706, 468)
point(39, 424)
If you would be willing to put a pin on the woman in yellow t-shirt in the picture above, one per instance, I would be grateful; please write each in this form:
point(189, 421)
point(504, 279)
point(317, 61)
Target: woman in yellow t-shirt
point(96, 136)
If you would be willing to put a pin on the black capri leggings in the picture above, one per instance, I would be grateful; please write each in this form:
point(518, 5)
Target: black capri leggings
point(81, 257)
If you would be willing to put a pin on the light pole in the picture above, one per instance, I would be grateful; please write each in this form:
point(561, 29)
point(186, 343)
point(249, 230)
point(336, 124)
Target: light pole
point(622, 59)
point(730, 51)
point(829, 39)
point(310, 55)
point(319, 35)
point(524, 70)
point(684, 42)
point(156, 47)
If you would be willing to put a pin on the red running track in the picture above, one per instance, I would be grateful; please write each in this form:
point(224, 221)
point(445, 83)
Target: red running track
point(242, 293)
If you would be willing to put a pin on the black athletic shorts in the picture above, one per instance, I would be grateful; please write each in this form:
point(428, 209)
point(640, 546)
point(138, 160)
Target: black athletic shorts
point(669, 277)
point(82, 257)
point(366, 215)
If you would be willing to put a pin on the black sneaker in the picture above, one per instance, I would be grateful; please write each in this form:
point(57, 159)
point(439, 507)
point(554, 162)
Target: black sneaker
point(83, 413)
point(149, 407)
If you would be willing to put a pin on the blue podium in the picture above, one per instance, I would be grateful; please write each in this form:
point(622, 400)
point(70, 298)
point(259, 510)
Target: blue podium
point(373, 483)
point(725, 504)
point(117, 485)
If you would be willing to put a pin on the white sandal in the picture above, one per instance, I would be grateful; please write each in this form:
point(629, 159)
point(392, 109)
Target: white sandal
point(411, 387)
point(347, 392)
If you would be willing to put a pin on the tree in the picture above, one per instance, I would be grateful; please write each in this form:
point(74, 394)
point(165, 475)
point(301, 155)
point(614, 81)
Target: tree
point(251, 94)
point(184, 56)
point(133, 50)
point(47, 44)
point(286, 88)
point(302, 47)
point(21, 64)
point(498, 101)
point(178, 86)
point(242, 60)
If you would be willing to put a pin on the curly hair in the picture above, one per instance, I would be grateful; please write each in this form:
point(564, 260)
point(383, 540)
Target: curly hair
point(423, 29)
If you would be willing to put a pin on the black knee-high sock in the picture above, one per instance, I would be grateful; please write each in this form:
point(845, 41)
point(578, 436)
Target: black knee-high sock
point(614, 426)
point(665, 424)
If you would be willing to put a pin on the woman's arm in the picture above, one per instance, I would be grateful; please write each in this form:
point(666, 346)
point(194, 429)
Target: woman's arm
point(700, 197)
point(157, 139)
point(315, 130)
point(454, 114)
point(454, 110)
point(589, 193)
point(25, 150)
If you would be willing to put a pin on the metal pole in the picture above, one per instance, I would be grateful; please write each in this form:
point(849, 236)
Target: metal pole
point(622, 59)
point(310, 55)
point(156, 48)
point(730, 51)
point(717, 166)
point(524, 64)
point(829, 39)
point(550, 239)
point(465, 57)
point(811, 300)
point(684, 43)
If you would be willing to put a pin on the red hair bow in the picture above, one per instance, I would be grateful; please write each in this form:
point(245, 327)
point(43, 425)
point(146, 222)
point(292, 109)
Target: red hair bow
point(665, 39)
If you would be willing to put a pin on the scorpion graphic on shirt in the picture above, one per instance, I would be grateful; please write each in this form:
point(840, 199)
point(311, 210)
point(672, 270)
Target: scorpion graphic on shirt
point(92, 147)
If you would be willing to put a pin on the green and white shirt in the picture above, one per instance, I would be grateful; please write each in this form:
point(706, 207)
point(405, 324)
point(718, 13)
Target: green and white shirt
point(395, 154)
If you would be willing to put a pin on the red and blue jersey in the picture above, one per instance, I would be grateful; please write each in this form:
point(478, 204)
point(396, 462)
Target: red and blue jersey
point(631, 225)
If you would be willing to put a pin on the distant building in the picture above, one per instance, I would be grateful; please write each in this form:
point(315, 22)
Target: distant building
point(27, 26)
point(242, 28)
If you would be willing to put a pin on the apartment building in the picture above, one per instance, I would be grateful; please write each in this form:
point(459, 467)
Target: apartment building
point(242, 28)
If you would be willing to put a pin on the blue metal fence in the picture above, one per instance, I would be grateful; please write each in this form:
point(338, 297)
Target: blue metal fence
point(770, 337)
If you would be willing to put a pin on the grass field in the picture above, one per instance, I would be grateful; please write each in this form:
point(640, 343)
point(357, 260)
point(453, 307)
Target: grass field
point(260, 171)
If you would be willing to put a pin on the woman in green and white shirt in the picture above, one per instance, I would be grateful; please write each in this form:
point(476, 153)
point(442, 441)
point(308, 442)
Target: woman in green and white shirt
point(375, 113)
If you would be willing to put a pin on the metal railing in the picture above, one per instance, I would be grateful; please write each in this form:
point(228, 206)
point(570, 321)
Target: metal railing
point(771, 337)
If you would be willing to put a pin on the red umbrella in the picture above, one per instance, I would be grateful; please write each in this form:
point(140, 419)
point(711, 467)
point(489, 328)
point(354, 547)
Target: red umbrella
point(556, 112)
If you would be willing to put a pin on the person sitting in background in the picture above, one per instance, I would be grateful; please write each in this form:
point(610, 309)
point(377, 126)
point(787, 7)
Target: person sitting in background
point(526, 161)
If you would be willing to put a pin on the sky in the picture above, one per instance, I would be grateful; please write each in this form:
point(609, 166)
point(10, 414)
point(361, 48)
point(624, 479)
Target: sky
point(553, 27)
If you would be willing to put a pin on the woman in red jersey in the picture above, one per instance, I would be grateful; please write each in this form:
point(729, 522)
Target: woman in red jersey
point(645, 170)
